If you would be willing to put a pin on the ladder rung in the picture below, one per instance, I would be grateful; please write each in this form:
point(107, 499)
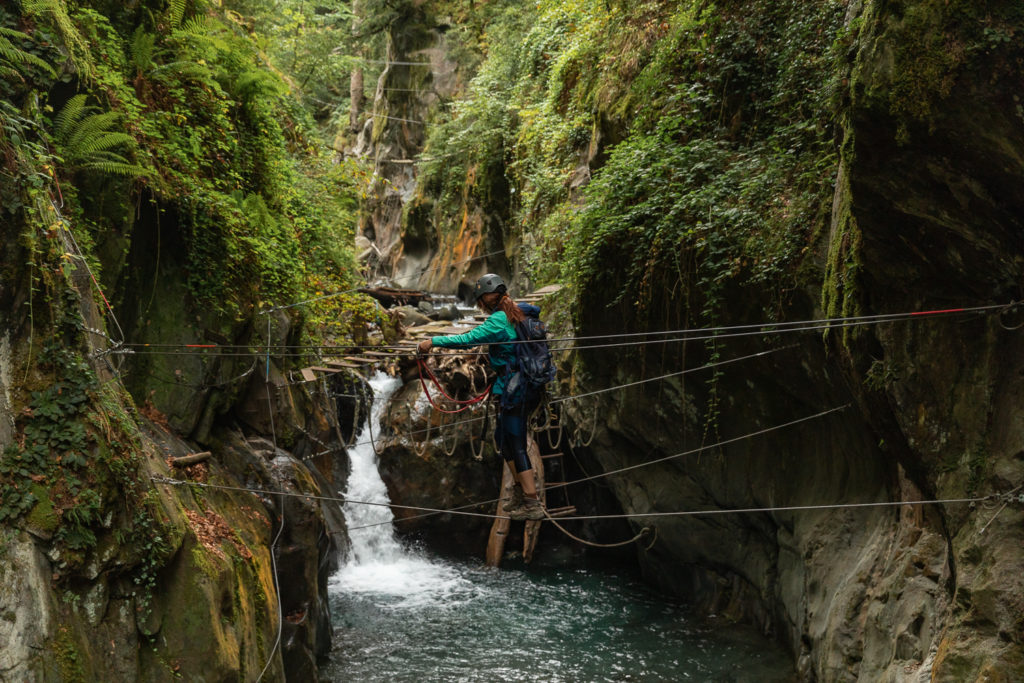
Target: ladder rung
point(563, 512)
point(552, 484)
point(551, 455)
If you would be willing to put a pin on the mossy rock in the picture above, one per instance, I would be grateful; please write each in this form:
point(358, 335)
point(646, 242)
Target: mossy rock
point(42, 520)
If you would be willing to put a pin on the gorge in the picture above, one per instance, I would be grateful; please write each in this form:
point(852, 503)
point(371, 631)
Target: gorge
point(819, 200)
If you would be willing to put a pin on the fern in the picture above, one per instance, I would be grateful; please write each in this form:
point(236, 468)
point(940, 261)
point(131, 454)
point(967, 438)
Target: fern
point(78, 48)
point(255, 83)
point(204, 32)
point(176, 12)
point(143, 49)
point(13, 59)
point(86, 142)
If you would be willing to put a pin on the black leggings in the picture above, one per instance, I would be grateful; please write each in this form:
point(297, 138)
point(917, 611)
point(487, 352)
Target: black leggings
point(510, 433)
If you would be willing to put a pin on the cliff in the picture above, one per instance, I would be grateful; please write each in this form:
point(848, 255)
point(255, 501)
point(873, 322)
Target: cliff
point(157, 187)
point(684, 166)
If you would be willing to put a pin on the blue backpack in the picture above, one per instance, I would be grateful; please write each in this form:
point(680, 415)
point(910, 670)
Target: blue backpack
point(532, 368)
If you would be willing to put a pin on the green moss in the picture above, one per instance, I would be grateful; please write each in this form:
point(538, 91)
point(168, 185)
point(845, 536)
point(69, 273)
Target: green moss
point(934, 45)
point(42, 517)
point(201, 561)
point(70, 660)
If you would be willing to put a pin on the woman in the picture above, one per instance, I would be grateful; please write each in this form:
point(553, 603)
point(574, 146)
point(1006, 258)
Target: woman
point(498, 330)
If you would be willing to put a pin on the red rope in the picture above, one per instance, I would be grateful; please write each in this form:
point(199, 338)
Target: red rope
point(423, 367)
point(937, 312)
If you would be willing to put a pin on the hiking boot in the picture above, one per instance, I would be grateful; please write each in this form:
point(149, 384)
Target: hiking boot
point(516, 500)
point(531, 508)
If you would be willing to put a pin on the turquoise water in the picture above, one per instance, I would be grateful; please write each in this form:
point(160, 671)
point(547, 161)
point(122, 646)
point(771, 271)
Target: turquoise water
point(435, 620)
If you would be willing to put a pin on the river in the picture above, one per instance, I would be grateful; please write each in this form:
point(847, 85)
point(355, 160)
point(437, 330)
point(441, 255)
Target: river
point(401, 614)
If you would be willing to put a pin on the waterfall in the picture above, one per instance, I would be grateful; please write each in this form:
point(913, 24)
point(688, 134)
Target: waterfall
point(378, 563)
point(370, 529)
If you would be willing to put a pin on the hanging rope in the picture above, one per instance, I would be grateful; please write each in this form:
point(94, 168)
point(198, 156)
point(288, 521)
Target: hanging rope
point(369, 427)
point(592, 544)
point(423, 368)
point(421, 447)
point(356, 418)
point(445, 429)
point(578, 431)
point(482, 438)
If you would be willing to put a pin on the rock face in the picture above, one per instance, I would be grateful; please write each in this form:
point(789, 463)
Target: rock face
point(923, 218)
point(120, 569)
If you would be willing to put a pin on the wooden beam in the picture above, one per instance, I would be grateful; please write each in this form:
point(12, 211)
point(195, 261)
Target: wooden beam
point(501, 525)
point(563, 512)
point(341, 365)
point(531, 530)
point(320, 368)
point(191, 459)
point(307, 374)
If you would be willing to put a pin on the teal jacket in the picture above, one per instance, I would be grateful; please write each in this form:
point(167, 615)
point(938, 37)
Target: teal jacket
point(494, 331)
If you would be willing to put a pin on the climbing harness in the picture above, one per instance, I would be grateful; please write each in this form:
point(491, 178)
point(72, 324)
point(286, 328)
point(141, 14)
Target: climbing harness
point(423, 368)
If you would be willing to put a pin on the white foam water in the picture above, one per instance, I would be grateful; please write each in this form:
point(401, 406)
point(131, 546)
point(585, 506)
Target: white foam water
point(379, 563)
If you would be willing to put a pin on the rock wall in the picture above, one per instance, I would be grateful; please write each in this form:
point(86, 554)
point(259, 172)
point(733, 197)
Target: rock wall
point(925, 216)
point(119, 569)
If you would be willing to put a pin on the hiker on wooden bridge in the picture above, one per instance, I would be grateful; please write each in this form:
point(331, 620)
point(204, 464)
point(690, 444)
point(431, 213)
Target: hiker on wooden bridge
point(517, 404)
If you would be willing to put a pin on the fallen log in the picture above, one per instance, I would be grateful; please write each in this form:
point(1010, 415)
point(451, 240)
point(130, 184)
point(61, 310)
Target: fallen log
point(190, 459)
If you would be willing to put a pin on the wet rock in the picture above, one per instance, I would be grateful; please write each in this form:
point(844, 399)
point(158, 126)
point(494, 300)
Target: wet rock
point(411, 316)
point(446, 313)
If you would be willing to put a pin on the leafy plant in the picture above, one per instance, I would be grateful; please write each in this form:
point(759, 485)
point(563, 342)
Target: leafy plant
point(86, 142)
point(13, 59)
point(78, 48)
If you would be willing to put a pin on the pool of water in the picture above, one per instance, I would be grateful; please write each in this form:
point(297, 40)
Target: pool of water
point(437, 620)
point(401, 614)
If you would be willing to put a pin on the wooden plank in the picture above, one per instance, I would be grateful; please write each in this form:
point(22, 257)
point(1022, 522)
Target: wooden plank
point(308, 374)
point(452, 330)
point(342, 365)
point(551, 455)
point(360, 359)
point(501, 525)
point(531, 530)
point(563, 512)
point(320, 368)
